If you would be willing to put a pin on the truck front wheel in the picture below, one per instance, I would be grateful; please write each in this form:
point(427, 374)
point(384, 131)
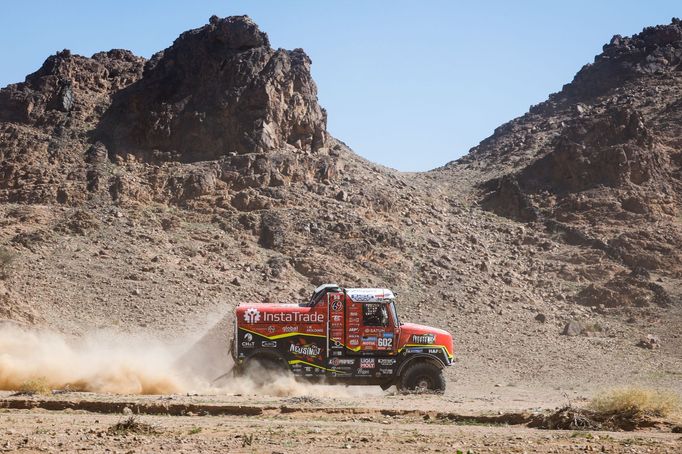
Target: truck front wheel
point(422, 376)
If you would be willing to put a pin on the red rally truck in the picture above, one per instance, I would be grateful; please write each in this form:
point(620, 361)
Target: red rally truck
point(348, 335)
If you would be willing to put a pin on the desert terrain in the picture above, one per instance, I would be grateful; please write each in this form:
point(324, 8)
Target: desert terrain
point(141, 200)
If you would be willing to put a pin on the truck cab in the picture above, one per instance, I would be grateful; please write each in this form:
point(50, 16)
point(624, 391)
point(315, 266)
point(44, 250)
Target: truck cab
point(349, 335)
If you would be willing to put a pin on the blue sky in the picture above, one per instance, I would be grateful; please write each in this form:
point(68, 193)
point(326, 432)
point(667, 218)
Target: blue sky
point(408, 84)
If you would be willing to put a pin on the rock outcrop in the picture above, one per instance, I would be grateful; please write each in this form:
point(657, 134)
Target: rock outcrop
point(654, 51)
point(218, 90)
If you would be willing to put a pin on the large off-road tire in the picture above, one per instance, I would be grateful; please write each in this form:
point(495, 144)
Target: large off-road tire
point(422, 376)
point(263, 370)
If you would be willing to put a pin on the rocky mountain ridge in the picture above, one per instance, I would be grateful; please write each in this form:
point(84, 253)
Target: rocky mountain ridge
point(598, 164)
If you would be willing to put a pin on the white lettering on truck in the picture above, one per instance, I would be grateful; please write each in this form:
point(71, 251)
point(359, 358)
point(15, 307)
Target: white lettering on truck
point(253, 315)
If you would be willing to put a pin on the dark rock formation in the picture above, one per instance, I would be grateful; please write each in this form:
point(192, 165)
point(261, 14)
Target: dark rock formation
point(655, 51)
point(613, 149)
point(217, 90)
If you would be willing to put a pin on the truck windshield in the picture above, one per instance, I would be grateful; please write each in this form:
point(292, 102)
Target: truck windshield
point(394, 314)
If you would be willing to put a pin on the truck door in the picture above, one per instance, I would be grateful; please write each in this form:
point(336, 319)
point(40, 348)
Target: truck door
point(370, 329)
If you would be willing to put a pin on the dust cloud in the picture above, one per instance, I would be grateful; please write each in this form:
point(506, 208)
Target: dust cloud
point(118, 363)
point(286, 385)
point(102, 362)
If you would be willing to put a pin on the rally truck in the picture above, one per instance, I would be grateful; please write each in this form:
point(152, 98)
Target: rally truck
point(347, 335)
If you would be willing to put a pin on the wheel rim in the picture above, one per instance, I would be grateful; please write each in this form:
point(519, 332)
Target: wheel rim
point(423, 383)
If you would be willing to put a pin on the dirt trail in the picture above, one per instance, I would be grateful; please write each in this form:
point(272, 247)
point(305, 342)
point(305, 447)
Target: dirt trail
point(305, 431)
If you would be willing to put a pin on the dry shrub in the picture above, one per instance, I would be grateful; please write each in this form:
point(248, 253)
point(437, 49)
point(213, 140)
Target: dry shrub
point(636, 401)
point(131, 425)
point(618, 409)
point(35, 386)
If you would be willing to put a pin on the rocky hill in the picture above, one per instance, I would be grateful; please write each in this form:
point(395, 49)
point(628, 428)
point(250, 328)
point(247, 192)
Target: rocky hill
point(598, 165)
point(154, 195)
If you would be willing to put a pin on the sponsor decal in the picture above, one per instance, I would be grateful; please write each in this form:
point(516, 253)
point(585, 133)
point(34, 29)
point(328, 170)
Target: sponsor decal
point(386, 361)
point(337, 353)
point(353, 329)
point(337, 306)
point(271, 329)
point(433, 351)
point(354, 320)
point(304, 349)
point(414, 350)
point(252, 315)
point(339, 363)
point(369, 340)
point(423, 338)
point(290, 329)
point(291, 317)
point(354, 314)
point(367, 363)
point(314, 329)
point(337, 318)
point(346, 361)
point(373, 330)
point(248, 341)
point(388, 334)
point(362, 372)
point(360, 297)
point(354, 342)
point(269, 344)
point(386, 371)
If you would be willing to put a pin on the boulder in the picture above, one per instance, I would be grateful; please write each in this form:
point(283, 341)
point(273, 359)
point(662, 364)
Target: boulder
point(650, 342)
point(573, 328)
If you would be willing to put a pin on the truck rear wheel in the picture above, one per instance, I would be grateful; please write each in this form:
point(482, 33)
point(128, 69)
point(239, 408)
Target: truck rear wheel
point(422, 376)
point(263, 370)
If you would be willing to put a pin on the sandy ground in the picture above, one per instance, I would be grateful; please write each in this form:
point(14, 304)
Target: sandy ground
point(43, 431)
point(347, 419)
